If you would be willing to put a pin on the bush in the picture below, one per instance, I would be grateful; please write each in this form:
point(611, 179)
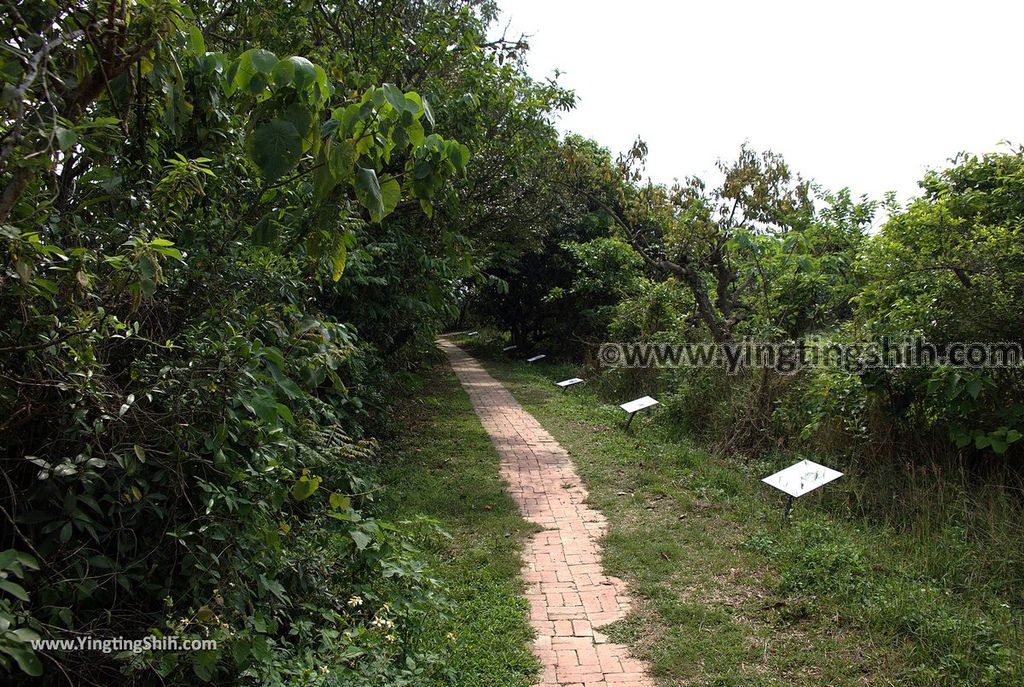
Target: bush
point(818, 559)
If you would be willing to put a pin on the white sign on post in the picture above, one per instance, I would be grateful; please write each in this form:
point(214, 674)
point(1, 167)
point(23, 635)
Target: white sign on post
point(566, 383)
point(536, 358)
point(639, 404)
point(633, 407)
point(802, 477)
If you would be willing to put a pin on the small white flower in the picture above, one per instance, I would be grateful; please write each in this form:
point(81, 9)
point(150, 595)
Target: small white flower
point(355, 601)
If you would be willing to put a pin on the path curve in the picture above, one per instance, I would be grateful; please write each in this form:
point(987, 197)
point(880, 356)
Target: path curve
point(569, 594)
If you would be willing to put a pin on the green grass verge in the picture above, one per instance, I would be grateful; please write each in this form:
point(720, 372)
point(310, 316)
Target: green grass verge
point(443, 465)
point(730, 594)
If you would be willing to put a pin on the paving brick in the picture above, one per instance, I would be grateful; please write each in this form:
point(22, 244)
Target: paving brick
point(568, 592)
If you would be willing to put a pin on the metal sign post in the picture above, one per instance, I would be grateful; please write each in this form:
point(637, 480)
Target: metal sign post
point(635, 406)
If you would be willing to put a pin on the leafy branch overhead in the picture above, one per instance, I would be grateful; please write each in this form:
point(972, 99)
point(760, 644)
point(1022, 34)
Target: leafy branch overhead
point(375, 145)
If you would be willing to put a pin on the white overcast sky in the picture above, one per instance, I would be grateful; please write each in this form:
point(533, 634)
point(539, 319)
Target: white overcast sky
point(861, 94)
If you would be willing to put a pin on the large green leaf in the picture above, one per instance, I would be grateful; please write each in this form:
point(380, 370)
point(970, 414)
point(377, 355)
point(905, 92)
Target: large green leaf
point(368, 192)
point(294, 71)
point(148, 267)
point(262, 60)
point(391, 193)
point(264, 407)
point(26, 659)
point(253, 65)
point(342, 158)
point(300, 117)
point(66, 138)
point(322, 86)
point(324, 182)
point(397, 99)
point(195, 40)
point(285, 413)
point(338, 261)
point(458, 154)
point(361, 539)
point(305, 487)
point(14, 589)
point(15, 560)
point(415, 134)
point(275, 148)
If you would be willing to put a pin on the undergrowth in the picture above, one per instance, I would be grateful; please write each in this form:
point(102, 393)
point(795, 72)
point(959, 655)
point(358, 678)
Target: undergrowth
point(912, 585)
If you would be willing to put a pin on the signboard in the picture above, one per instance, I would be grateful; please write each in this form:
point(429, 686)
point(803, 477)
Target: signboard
point(633, 407)
point(802, 477)
point(565, 383)
point(536, 358)
point(639, 404)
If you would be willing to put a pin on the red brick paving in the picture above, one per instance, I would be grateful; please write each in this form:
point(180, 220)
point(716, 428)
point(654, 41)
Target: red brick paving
point(570, 597)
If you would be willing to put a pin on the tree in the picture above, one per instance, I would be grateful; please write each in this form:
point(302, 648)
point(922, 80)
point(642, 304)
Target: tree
point(229, 227)
point(949, 268)
point(705, 239)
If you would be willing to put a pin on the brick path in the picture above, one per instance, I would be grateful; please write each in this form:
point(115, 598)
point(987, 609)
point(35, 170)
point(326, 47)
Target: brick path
point(569, 595)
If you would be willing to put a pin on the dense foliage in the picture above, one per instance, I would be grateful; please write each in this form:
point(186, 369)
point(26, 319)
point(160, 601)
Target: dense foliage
point(767, 256)
point(921, 539)
point(229, 228)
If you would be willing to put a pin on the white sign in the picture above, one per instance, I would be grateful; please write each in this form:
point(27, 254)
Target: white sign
point(802, 477)
point(569, 382)
point(509, 348)
point(639, 404)
point(536, 358)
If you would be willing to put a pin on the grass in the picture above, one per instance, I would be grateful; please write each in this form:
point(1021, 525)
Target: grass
point(443, 465)
point(730, 594)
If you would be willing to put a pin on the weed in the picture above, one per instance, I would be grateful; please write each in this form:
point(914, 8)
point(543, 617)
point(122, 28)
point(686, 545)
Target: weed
point(729, 593)
point(445, 466)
